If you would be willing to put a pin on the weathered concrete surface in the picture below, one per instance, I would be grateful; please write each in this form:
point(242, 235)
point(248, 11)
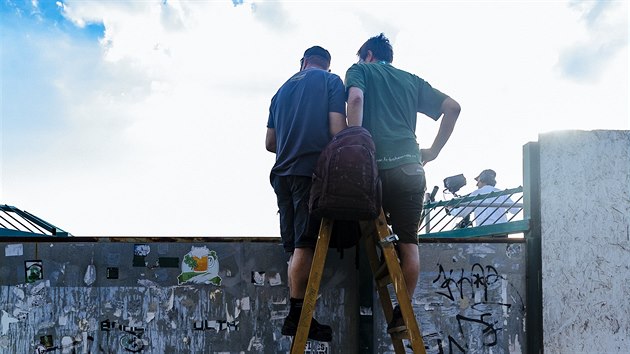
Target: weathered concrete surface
point(585, 207)
point(146, 309)
point(469, 298)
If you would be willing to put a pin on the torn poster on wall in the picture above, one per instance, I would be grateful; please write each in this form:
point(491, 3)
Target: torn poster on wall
point(275, 280)
point(316, 348)
point(200, 266)
point(13, 250)
point(258, 278)
point(141, 250)
point(34, 270)
point(6, 320)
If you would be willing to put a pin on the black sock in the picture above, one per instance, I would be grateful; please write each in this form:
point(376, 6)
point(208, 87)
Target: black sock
point(296, 308)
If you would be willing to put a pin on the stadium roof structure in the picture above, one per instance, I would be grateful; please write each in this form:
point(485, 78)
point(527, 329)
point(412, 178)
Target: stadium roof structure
point(19, 223)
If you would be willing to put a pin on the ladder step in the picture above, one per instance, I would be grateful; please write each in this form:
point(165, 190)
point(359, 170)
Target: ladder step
point(400, 335)
point(382, 276)
point(383, 281)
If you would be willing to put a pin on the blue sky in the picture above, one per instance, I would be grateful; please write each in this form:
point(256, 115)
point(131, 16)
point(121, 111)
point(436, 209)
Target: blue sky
point(148, 117)
point(34, 16)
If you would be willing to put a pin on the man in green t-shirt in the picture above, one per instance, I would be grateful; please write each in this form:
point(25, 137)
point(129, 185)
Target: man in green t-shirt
point(385, 100)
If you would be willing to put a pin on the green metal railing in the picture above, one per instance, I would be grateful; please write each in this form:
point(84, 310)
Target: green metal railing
point(19, 223)
point(459, 217)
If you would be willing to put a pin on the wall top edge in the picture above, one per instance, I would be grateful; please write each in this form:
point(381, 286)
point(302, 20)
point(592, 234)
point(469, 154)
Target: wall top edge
point(143, 239)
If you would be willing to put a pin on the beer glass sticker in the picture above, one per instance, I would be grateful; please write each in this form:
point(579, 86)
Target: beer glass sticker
point(200, 266)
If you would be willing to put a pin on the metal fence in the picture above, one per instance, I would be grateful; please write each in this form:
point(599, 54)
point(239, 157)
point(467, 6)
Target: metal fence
point(494, 214)
point(19, 223)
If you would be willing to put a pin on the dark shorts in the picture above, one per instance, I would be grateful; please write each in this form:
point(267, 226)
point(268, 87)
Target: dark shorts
point(297, 228)
point(403, 193)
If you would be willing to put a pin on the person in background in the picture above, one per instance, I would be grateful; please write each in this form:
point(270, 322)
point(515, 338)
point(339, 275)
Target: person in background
point(308, 109)
point(485, 214)
point(385, 100)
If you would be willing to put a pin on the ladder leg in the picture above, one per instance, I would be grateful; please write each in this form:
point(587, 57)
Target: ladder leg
point(397, 279)
point(314, 280)
point(377, 270)
point(375, 263)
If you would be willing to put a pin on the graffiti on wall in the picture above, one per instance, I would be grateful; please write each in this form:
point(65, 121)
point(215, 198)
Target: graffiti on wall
point(467, 283)
point(476, 299)
point(131, 338)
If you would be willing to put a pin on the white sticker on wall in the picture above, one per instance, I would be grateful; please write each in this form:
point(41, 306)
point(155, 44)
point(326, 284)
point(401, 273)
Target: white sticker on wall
point(275, 280)
point(13, 250)
point(5, 321)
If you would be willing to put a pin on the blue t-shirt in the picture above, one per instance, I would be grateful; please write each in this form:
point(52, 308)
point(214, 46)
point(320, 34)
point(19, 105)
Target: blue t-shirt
point(299, 115)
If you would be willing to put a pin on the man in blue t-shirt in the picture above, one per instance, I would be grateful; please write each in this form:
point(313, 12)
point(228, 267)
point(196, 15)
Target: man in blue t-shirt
point(386, 100)
point(304, 114)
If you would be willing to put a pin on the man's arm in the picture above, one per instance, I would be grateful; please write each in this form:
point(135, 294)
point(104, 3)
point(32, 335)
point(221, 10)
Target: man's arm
point(450, 109)
point(336, 122)
point(355, 106)
point(270, 140)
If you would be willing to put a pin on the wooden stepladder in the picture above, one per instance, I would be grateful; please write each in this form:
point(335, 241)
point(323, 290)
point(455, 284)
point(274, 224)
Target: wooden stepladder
point(375, 233)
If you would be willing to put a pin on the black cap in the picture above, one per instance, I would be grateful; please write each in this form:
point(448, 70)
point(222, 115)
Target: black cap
point(487, 176)
point(319, 51)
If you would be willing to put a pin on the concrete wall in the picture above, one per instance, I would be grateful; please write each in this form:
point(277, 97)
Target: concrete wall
point(469, 298)
point(585, 207)
point(235, 304)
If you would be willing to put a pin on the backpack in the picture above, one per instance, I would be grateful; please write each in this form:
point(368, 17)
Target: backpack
point(345, 234)
point(346, 185)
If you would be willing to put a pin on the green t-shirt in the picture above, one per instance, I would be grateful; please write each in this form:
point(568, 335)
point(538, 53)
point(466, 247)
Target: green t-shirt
point(392, 99)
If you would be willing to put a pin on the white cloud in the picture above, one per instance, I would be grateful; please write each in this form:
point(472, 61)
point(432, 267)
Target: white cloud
point(272, 14)
point(606, 24)
point(159, 131)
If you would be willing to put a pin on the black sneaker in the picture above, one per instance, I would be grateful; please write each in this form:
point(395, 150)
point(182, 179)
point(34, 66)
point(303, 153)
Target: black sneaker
point(397, 324)
point(317, 331)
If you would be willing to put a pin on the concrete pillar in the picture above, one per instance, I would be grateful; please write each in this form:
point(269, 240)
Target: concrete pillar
point(585, 232)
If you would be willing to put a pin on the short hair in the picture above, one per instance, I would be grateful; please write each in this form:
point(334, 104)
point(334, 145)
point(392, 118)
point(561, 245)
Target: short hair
point(379, 46)
point(318, 56)
point(487, 177)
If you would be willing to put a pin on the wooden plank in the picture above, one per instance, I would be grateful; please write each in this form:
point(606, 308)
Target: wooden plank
point(395, 273)
point(312, 289)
